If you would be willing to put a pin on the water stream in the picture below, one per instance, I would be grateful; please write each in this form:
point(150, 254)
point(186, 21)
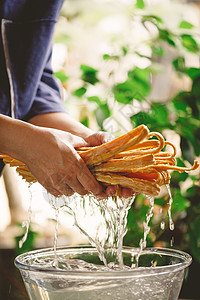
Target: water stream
point(26, 224)
point(171, 223)
point(102, 222)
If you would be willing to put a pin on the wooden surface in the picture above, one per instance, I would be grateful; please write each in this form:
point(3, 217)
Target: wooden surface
point(11, 283)
point(12, 286)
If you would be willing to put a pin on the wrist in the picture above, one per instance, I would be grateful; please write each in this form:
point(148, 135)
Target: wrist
point(62, 121)
point(14, 136)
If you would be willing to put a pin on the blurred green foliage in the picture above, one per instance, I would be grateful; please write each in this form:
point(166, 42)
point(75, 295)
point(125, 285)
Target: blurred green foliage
point(180, 114)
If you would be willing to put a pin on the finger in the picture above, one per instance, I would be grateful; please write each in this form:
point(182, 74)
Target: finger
point(106, 137)
point(126, 193)
point(57, 187)
point(78, 142)
point(53, 191)
point(66, 190)
point(99, 138)
point(101, 196)
point(113, 190)
point(87, 180)
point(69, 184)
point(77, 187)
point(110, 190)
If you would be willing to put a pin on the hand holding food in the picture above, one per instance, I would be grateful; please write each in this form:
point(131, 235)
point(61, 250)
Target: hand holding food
point(131, 161)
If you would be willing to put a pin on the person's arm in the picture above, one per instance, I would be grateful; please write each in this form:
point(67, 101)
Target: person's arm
point(62, 121)
point(50, 156)
point(65, 122)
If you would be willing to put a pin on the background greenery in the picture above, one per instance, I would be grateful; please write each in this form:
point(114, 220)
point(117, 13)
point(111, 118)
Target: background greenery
point(178, 115)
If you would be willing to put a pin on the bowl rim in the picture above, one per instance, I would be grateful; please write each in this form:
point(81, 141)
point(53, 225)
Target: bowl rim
point(134, 272)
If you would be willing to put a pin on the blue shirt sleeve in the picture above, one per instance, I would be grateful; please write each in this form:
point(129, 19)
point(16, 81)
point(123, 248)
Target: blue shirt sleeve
point(48, 98)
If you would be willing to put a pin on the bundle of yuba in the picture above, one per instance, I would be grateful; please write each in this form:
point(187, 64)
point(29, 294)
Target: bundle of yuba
point(134, 160)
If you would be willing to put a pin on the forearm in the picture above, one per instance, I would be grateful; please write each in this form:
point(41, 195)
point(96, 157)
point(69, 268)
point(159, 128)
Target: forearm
point(62, 121)
point(13, 136)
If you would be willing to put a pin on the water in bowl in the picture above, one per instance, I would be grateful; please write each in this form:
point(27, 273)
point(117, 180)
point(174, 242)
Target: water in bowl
point(80, 274)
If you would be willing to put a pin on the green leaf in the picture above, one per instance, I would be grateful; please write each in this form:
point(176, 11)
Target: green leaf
point(179, 105)
point(187, 149)
point(141, 75)
point(180, 203)
point(196, 145)
point(86, 68)
point(142, 118)
point(160, 114)
point(102, 113)
point(186, 25)
point(85, 121)
point(191, 191)
point(131, 224)
point(179, 64)
point(140, 4)
point(185, 103)
point(194, 235)
point(157, 50)
point(80, 92)
point(193, 73)
point(192, 101)
point(127, 91)
point(196, 88)
point(137, 86)
point(124, 50)
point(89, 74)
point(95, 99)
point(142, 212)
point(177, 176)
point(111, 57)
point(160, 201)
point(61, 76)
point(189, 43)
point(153, 19)
point(166, 36)
point(187, 131)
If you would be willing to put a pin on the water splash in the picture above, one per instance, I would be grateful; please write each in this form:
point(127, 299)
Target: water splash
point(55, 262)
point(107, 218)
point(149, 215)
point(171, 223)
point(26, 224)
point(109, 223)
point(162, 225)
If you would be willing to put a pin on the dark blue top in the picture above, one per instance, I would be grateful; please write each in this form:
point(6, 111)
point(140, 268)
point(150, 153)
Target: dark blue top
point(27, 87)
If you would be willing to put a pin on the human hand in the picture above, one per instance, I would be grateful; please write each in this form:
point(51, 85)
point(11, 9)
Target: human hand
point(99, 138)
point(113, 190)
point(52, 159)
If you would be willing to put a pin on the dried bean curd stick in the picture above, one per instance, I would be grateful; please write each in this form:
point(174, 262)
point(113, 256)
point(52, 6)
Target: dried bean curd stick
point(138, 185)
point(118, 165)
point(129, 161)
point(174, 148)
point(145, 147)
point(165, 160)
point(161, 140)
point(105, 151)
point(176, 168)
